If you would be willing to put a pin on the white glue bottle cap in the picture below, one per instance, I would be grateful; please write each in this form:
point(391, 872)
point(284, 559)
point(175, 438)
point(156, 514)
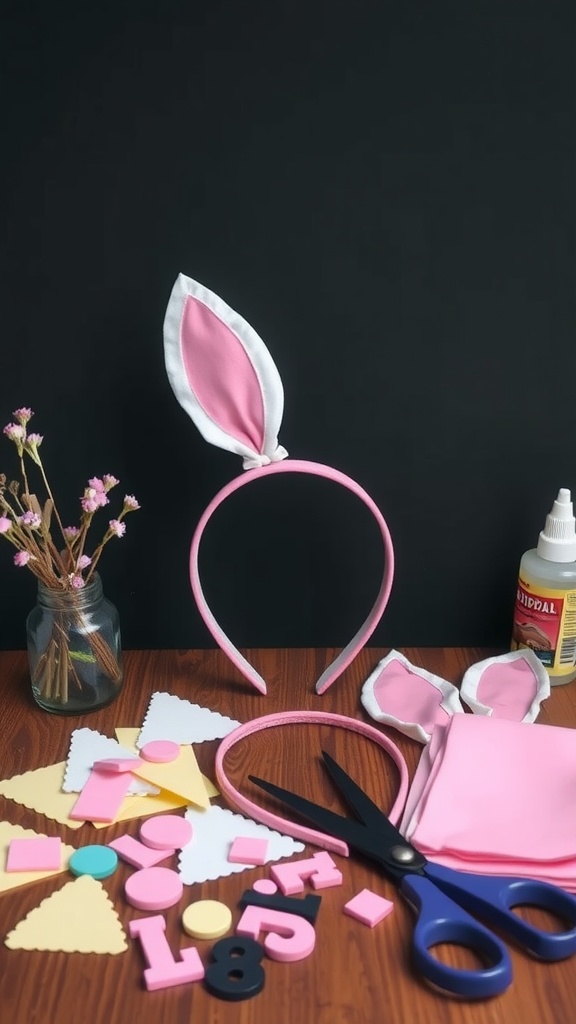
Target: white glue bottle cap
point(557, 541)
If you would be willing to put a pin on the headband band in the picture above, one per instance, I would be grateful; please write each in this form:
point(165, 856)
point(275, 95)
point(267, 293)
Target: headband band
point(342, 661)
point(225, 378)
point(291, 828)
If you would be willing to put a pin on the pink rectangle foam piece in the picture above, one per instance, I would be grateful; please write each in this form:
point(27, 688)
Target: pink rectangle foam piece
point(368, 907)
point(137, 854)
point(117, 764)
point(247, 850)
point(41, 854)
point(102, 796)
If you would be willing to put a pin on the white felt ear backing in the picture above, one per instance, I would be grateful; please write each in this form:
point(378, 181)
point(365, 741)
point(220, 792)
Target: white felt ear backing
point(222, 374)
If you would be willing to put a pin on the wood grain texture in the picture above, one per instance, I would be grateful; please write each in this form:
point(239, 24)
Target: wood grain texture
point(355, 975)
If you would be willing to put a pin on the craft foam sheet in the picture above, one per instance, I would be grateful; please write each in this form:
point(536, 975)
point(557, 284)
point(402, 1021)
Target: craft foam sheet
point(79, 918)
point(206, 856)
point(409, 698)
point(41, 790)
point(497, 796)
point(14, 879)
point(171, 718)
point(87, 746)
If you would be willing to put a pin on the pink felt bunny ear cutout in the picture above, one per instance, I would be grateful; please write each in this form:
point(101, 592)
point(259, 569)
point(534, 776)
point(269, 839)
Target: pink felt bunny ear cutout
point(511, 685)
point(408, 697)
point(222, 374)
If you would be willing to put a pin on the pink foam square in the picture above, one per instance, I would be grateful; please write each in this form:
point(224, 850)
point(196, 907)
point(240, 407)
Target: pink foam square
point(368, 907)
point(246, 850)
point(41, 854)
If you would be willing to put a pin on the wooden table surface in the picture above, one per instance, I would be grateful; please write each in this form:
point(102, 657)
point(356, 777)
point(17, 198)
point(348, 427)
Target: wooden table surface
point(355, 974)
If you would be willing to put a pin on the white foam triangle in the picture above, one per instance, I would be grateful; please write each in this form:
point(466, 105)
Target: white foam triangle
point(172, 718)
point(206, 856)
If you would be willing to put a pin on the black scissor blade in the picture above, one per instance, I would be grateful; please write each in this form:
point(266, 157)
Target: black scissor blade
point(329, 822)
point(366, 810)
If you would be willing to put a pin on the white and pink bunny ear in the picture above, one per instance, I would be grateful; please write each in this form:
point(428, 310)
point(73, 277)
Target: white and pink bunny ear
point(223, 375)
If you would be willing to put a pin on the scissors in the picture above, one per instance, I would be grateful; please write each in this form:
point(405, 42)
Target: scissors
point(445, 899)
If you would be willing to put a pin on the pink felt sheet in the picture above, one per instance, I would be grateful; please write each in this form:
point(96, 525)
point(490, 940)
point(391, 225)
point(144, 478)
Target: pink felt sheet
point(496, 796)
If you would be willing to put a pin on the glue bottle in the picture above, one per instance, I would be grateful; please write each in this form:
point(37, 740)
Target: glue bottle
point(545, 608)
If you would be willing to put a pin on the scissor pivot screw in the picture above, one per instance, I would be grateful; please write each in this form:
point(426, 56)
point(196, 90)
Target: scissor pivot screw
point(403, 854)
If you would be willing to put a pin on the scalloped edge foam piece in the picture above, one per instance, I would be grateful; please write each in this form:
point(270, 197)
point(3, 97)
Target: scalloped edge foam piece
point(511, 686)
point(206, 856)
point(172, 718)
point(14, 879)
point(40, 790)
point(397, 684)
point(87, 746)
point(79, 918)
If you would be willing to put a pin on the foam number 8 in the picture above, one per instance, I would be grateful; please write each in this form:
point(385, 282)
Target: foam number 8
point(236, 972)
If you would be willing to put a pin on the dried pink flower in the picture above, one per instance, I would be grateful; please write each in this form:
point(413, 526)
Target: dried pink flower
point(22, 557)
point(76, 582)
point(5, 524)
point(15, 431)
point(130, 502)
point(117, 527)
point(23, 415)
point(31, 519)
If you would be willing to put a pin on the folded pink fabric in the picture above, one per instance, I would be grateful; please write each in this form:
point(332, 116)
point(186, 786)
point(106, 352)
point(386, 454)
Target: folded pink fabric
point(497, 796)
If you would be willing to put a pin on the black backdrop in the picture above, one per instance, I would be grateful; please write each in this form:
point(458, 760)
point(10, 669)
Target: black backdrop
point(386, 192)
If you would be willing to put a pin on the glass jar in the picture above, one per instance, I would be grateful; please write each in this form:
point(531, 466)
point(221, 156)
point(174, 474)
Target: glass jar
point(74, 649)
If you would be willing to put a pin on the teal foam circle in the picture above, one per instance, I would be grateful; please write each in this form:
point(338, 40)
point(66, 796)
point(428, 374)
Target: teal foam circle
point(98, 861)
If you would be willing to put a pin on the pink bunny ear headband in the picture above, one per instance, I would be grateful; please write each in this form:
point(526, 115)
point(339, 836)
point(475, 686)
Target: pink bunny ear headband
point(225, 378)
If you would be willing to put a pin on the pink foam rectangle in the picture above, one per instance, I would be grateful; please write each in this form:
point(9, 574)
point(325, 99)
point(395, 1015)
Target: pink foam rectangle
point(368, 907)
point(38, 854)
point(137, 854)
point(102, 796)
point(247, 850)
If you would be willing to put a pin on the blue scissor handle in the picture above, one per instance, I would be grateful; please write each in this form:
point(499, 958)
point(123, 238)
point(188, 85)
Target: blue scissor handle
point(442, 920)
point(493, 898)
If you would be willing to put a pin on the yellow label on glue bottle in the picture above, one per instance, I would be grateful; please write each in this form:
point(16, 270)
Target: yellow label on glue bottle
point(545, 606)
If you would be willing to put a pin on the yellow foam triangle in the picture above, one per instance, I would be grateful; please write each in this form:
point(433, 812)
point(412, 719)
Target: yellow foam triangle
point(127, 737)
point(13, 879)
point(182, 777)
point(41, 790)
point(79, 918)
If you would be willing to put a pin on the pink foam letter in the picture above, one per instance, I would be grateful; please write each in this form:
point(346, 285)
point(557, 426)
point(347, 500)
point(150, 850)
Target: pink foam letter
point(289, 937)
point(163, 970)
point(319, 869)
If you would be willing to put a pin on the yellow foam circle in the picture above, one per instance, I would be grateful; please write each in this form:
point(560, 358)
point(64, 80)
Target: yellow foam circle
point(206, 919)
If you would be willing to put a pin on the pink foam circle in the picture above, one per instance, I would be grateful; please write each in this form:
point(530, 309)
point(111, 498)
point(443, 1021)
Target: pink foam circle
point(166, 832)
point(153, 888)
point(265, 885)
point(160, 751)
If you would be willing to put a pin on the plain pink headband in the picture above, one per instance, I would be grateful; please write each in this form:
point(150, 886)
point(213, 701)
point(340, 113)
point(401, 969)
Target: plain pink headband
point(225, 378)
point(290, 828)
point(351, 650)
